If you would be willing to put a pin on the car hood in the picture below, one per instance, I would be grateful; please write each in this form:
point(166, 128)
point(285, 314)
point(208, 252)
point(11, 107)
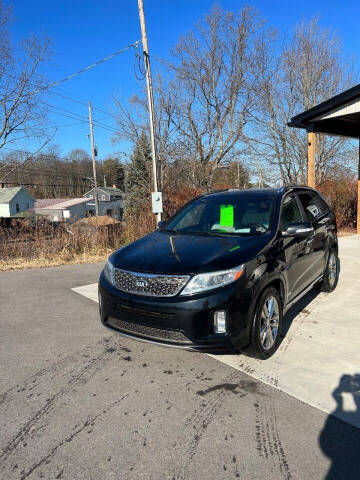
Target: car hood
point(161, 252)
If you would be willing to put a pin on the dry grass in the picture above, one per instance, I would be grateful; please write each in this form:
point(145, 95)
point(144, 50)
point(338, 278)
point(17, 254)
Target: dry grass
point(25, 246)
point(56, 260)
point(97, 221)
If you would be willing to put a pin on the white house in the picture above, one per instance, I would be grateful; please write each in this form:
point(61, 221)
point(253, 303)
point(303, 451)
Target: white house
point(14, 201)
point(60, 209)
point(110, 201)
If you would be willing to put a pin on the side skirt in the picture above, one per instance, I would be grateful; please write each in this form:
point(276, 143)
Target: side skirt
point(301, 294)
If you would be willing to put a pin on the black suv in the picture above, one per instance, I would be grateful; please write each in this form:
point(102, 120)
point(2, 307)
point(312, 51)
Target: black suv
point(221, 273)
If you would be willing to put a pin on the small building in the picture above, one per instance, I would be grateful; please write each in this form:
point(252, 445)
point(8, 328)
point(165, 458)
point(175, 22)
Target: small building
point(14, 200)
point(110, 202)
point(61, 209)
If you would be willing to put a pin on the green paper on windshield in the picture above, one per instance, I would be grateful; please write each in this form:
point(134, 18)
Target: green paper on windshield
point(226, 215)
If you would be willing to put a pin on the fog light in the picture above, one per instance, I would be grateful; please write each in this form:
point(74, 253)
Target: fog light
point(220, 321)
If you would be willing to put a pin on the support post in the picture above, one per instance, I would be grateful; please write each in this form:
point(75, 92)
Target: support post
point(358, 195)
point(311, 159)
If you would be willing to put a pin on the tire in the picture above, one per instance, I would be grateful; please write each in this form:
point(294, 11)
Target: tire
point(102, 316)
point(331, 274)
point(265, 337)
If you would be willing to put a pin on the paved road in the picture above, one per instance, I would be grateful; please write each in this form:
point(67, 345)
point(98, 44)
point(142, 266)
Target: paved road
point(77, 402)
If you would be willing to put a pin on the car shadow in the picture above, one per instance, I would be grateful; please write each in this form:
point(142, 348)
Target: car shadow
point(299, 307)
point(339, 439)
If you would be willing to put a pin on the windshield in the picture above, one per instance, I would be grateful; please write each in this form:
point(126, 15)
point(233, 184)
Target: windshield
point(225, 216)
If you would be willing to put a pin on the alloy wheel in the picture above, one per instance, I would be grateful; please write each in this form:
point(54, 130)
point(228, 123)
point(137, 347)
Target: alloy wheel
point(269, 322)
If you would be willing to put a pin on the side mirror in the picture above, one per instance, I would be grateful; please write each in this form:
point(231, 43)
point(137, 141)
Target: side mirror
point(160, 224)
point(299, 229)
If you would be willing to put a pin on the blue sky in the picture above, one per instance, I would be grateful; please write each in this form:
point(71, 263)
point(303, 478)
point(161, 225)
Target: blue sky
point(85, 31)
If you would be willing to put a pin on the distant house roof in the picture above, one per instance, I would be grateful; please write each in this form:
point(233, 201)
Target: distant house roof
point(107, 190)
point(7, 194)
point(47, 202)
point(65, 203)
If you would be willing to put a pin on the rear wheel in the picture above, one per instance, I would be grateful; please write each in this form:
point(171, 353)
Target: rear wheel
point(265, 336)
point(331, 274)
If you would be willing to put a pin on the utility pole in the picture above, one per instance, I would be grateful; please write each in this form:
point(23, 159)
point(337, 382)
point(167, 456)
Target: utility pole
point(150, 102)
point(93, 154)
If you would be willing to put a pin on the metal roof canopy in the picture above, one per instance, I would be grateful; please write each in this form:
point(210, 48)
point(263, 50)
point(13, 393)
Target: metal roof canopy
point(339, 115)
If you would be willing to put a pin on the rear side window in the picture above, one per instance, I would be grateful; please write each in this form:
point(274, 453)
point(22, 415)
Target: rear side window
point(290, 213)
point(313, 206)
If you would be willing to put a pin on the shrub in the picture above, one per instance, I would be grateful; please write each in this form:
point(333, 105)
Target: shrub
point(341, 194)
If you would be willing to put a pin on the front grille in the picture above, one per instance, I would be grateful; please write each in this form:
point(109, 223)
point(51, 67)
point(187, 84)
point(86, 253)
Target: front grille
point(150, 333)
point(155, 285)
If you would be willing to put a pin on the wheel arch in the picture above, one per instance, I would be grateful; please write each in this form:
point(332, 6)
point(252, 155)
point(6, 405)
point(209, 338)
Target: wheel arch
point(276, 283)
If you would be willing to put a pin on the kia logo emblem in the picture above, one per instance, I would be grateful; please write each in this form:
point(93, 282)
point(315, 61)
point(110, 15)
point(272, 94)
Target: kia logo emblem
point(141, 283)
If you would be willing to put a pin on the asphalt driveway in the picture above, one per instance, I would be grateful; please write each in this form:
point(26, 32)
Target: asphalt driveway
point(77, 402)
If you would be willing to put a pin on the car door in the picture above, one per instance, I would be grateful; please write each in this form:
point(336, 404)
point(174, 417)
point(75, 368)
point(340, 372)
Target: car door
point(315, 211)
point(296, 261)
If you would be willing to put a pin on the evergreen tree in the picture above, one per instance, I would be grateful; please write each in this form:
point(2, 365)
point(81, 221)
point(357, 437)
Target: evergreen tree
point(138, 183)
point(113, 170)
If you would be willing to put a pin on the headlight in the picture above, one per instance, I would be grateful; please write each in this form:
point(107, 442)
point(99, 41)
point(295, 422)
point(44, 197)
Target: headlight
point(109, 272)
point(208, 281)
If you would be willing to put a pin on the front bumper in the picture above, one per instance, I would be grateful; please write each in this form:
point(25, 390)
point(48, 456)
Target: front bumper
point(185, 322)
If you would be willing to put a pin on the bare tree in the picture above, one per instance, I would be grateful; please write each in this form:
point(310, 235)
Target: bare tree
point(132, 124)
point(202, 110)
point(307, 70)
point(212, 89)
point(21, 85)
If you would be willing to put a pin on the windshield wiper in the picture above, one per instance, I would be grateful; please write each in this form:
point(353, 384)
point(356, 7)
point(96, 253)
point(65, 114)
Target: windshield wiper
point(207, 234)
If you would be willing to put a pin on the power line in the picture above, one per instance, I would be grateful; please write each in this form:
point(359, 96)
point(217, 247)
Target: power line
point(79, 72)
point(71, 99)
point(71, 114)
point(29, 171)
point(89, 67)
point(83, 103)
point(40, 184)
point(96, 122)
point(77, 116)
point(33, 155)
point(28, 165)
point(81, 117)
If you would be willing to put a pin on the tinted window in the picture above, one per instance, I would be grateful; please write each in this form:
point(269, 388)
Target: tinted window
point(290, 213)
point(313, 205)
point(190, 218)
point(232, 215)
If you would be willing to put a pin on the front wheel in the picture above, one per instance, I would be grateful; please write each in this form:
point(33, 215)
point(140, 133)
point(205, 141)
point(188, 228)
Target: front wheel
point(265, 335)
point(331, 274)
